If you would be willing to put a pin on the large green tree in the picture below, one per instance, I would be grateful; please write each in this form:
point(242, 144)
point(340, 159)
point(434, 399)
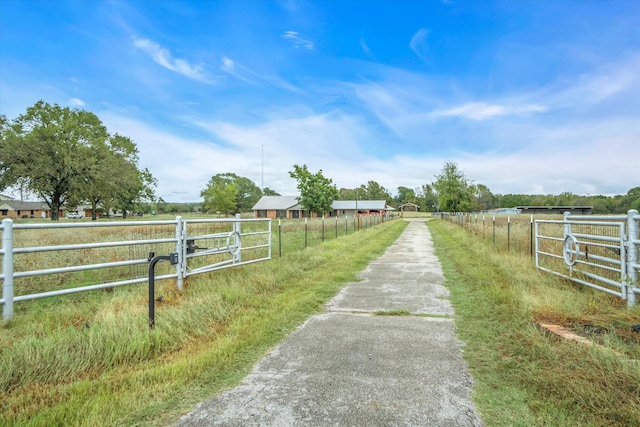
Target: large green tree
point(66, 155)
point(376, 191)
point(115, 177)
point(347, 194)
point(221, 198)
point(482, 197)
point(371, 191)
point(269, 192)
point(405, 195)
point(317, 193)
point(50, 148)
point(453, 189)
point(245, 193)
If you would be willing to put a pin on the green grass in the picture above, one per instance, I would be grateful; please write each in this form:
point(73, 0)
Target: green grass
point(392, 313)
point(90, 359)
point(524, 376)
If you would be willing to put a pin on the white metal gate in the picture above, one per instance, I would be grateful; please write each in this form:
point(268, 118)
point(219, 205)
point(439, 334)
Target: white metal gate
point(201, 245)
point(599, 251)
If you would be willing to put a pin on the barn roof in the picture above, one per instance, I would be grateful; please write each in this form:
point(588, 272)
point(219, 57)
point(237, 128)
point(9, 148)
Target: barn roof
point(275, 203)
point(380, 205)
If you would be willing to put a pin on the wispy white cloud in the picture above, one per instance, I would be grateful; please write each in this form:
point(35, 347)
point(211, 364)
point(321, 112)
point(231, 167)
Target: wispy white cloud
point(298, 41)
point(614, 79)
point(76, 101)
point(483, 111)
point(236, 70)
point(365, 48)
point(241, 72)
point(418, 43)
point(163, 57)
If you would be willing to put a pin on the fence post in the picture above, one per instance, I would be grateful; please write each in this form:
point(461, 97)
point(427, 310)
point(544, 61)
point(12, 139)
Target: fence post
point(181, 248)
point(323, 227)
point(494, 229)
point(483, 225)
point(531, 237)
point(346, 225)
point(508, 233)
point(305, 231)
point(336, 226)
point(537, 245)
point(7, 269)
point(280, 236)
point(632, 257)
point(237, 227)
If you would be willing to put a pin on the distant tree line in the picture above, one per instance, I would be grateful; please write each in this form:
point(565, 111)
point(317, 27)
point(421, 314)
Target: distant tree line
point(452, 191)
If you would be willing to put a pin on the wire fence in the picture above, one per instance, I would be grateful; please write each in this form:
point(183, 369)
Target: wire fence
point(597, 251)
point(47, 260)
point(292, 235)
point(507, 233)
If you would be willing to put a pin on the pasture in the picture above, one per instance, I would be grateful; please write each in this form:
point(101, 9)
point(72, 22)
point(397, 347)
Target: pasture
point(90, 358)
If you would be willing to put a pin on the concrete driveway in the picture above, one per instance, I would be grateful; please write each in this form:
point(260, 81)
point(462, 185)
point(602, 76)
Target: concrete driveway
point(349, 367)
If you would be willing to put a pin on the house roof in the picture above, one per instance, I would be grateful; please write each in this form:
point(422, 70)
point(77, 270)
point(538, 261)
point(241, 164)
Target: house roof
point(275, 203)
point(18, 205)
point(291, 203)
point(362, 205)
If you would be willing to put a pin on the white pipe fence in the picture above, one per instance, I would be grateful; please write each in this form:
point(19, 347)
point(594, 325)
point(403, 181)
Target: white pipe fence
point(598, 251)
point(224, 249)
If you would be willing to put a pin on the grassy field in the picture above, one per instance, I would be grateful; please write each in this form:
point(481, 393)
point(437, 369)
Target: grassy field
point(90, 359)
point(524, 376)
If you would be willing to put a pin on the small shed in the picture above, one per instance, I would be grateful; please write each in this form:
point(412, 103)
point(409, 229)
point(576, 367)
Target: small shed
point(408, 207)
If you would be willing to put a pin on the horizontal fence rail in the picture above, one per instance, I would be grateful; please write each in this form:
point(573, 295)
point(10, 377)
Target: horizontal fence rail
point(53, 259)
point(118, 253)
point(600, 252)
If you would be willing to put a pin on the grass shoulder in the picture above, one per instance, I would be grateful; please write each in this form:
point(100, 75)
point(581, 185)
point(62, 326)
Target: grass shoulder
point(523, 375)
point(93, 361)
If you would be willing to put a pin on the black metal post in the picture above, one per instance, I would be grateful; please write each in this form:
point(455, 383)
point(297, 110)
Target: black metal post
point(152, 282)
point(531, 237)
point(494, 230)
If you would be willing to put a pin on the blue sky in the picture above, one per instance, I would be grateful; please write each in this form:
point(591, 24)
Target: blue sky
point(526, 96)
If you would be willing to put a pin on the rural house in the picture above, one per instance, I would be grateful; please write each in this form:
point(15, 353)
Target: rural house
point(288, 207)
point(364, 207)
point(12, 208)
